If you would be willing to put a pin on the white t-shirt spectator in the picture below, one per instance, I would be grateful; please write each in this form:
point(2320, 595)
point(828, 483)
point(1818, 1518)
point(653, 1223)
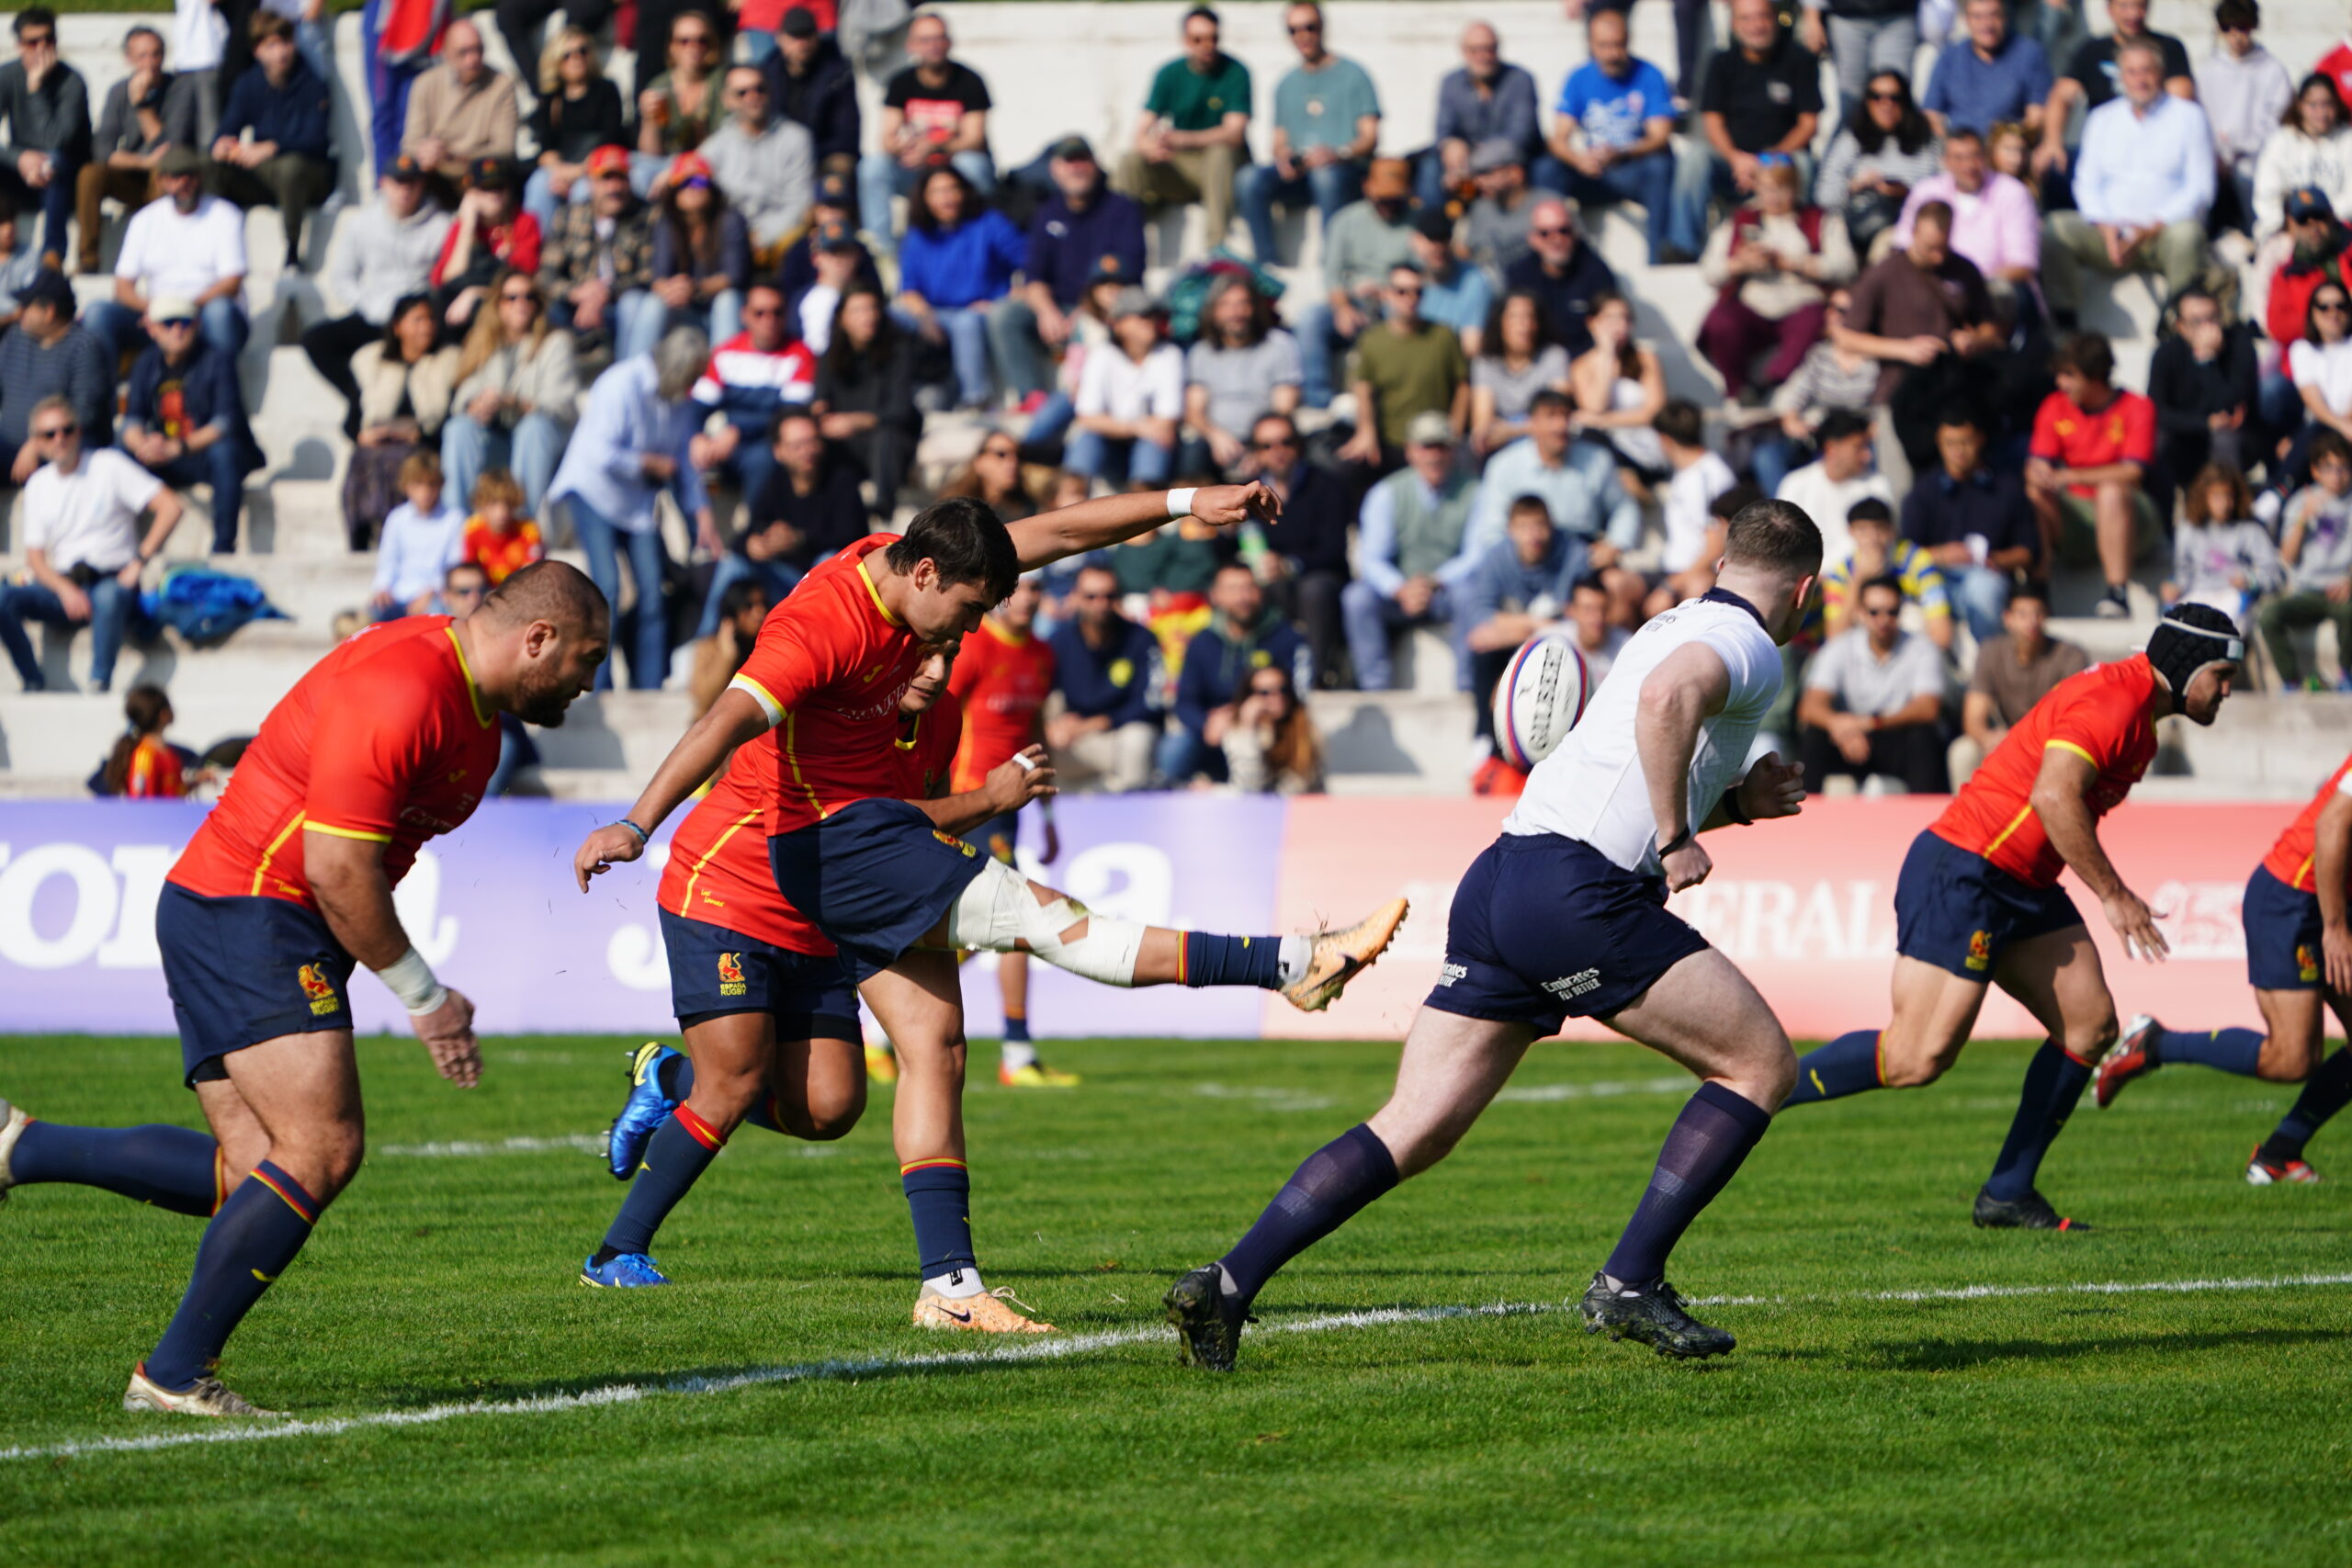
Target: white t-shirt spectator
point(2327, 367)
point(1115, 387)
point(200, 34)
point(1688, 496)
point(1827, 502)
point(89, 517)
point(817, 308)
point(165, 253)
point(1853, 672)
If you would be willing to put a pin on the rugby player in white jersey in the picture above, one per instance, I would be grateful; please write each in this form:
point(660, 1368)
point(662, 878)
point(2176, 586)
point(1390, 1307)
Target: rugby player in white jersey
point(1564, 917)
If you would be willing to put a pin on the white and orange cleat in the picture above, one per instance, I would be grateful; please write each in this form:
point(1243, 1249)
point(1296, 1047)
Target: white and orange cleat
point(987, 1313)
point(13, 1123)
point(1341, 956)
point(210, 1396)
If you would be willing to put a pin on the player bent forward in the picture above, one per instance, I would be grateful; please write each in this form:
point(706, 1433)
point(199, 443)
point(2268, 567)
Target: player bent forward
point(1564, 917)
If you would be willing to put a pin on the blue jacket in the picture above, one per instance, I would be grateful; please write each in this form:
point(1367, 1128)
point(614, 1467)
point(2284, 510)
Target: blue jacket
point(1116, 681)
point(208, 393)
point(1218, 660)
point(949, 269)
point(295, 116)
point(1066, 246)
point(823, 103)
point(1502, 582)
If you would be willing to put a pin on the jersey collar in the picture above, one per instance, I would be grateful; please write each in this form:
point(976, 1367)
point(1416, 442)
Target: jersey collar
point(473, 692)
point(876, 594)
point(1725, 596)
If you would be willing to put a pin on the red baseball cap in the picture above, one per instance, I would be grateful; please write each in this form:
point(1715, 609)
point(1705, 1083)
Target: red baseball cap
point(608, 160)
point(689, 166)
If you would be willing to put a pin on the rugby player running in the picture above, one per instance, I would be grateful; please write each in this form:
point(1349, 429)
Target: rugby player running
point(1564, 917)
point(1978, 903)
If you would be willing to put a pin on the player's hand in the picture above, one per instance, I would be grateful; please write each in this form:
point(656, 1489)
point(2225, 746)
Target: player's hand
point(448, 1033)
point(2136, 924)
point(1011, 786)
point(1772, 788)
point(2336, 952)
point(1226, 506)
point(608, 846)
point(1687, 868)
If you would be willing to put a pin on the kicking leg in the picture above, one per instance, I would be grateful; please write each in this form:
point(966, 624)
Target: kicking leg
point(2285, 1053)
point(171, 1168)
point(2059, 979)
point(2328, 1090)
point(1934, 1010)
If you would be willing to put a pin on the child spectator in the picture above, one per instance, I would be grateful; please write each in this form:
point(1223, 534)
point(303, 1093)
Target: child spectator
point(143, 765)
point(1694, 539)
point(2317, 553)
point(498, 538)
point(1875, 553)
point(422, 539)
point(2221, 555)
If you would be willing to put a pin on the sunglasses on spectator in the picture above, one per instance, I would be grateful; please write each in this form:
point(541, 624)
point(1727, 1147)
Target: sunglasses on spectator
point(1306, 27)
point(35, 40)
point(577, 51)
point(55, 431)
point(751, 88)
point(1886, 97)
point(751, 311)
point(1882, 613)
point(518, 297)
point(1405, 290)
point(2333, 306)
point(1000, 452)
point(1279, 444)
point(183, 323)
point(1552, 232)
point(692, 40)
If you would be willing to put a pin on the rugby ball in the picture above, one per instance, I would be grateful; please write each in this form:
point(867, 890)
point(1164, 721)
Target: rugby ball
point(1539, 699)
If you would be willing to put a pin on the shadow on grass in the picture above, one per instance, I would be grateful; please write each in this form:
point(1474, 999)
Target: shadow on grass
point(1958, 1355)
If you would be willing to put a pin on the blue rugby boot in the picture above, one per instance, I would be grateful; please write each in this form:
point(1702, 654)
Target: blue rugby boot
point(626, 1271)
point(646, 1110)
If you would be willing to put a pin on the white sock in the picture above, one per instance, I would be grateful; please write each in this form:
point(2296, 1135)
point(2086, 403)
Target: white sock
point(955, 1284)
point(1298, 952)
point(1018, 1054)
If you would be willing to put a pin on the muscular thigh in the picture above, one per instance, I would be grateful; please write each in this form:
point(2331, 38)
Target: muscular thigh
point(1934, 1011)
point(1708, 1017)
point(298, 1082)
point(819, 1086)
point(2058, 978)
point(245, 1142)
point(1452, 1067)
point(919, 1001)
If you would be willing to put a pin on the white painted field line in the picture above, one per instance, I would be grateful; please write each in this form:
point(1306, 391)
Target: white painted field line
point(1043, 1350)
point(570, 1142)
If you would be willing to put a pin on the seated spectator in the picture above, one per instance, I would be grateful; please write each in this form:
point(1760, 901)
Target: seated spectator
point(1090, 331)
point(384, 253)
point(1455, 294)
point(1563, 274)
point(2143, 185)
point(1304, 560)
point(1327, 122)
point(1494, 231)
point(1874, 553)
point(460, 112)
point(864, 396)
point(499, 539)
point(635, 442)
point(1270, 748)
point(1363, 244)
point(1863, 38)
point(2312, 147)
point(818, 268)
point(1762, 95)
point(146, 114)
point(1130, 399)
point(1191, 141)
point(1080, 224)
point(405, 388)
point(493, 236)
point(579, 110)
point(2204, 385)
point(463, 588)
point(272, 148)
point(956, 264)
point(1827, 486)
point(596, 270)
point(47, 106)
point(1833, 375)
point(1694, 539)
point(2093, 78)
point(424, 537)
point(2312, 252)
point(2247, 94)
point(1244, 635)
point(1589, 627)
point(2319, 362)
point(993, 478)
point(1972, 521)
point(1241, 365)
point(811, 85)
point(1991, 76)
point(523, 24)
point(733, 620)
point(84, 554)
point(1995, 222)
point(1100, 722)
point(2014, 671)
point(1485, 100)
point(143, 765)
point(765, 163)
point(518, 392)
point(679, 107)
point(1410, 554)
point(185, 419)
point(1519, 589)
point(1577, 482)
point(2316, 549)
point(806, 509)
point(185, 245)
point(1875, 159)
point(934, 111)
point(2221, 556)
point(1513, 365)
point(2092, 445)
point(1874, 703)
point(1925, 314)
point(702, 253)
point(1774, 263)
point(1613, 132)
point(51, 355)
point(2009, 151)
point(1401, 369)
point(753, 378)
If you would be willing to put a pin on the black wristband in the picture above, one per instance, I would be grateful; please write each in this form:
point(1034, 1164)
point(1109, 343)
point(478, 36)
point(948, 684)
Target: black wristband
point(1679, 840)
point(1731, 807)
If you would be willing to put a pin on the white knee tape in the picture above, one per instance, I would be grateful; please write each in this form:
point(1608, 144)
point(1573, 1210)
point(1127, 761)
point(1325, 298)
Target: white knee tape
point(1105, 954)
point(998, 911)
point(995, 911)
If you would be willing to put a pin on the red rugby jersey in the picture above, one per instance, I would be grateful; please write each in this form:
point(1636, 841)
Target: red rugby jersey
point(2104, 715)
point(2291, 859)
point(1003, 678)
point(927, 746)
point(386, 738)
point(718, 864)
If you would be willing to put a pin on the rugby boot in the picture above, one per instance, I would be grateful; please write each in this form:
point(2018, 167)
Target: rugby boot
point(2030, 1212)
point(1035, 1074)
point(1653, 1315)
point(986, 1313)
point(13, 1123)
point(1207, 1322)
point(2260, 1171)
point(644, 1111)
point(2125, 1060)
point(625, 1271)
point(210, 1396)
point(1340, 956)
point(881, 1063)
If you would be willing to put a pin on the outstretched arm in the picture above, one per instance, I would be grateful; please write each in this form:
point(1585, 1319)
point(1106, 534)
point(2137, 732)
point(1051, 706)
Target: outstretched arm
point(1688, 685)
point(1090, 524)
point(737, 716)
point(2061, 799)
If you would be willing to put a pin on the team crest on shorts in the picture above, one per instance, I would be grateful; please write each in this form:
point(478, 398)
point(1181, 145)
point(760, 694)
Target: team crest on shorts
point(953, 842)
point(318, 989)
point(2306, 964)
point(731, 975)
point(1980, 950)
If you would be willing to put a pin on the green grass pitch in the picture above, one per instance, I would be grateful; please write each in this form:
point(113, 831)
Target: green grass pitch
point(2066, 1427)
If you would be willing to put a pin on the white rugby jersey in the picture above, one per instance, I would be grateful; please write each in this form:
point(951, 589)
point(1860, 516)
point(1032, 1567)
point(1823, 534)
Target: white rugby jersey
point(1591, 789)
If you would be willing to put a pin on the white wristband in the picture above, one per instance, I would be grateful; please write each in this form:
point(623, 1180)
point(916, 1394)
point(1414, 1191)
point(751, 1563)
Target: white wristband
point(1180, 503)
point(411, 979)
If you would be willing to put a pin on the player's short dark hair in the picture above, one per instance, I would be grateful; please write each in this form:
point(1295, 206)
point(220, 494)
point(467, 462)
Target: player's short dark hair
point(550, 590)
point(1958, 416)
point(2030, 589)
point(35, 16)
point(2087, 355)
point(1871, 509)
point(1774, 535)
point(1213, 20)
point(1679, 422)
point(1964, 133)
point(1588, 583)
point(1726, 507)
point(2328, 444)
point(2237, 14)
point(1887, 581)
point(1534, 503)
point(787, 416)
point(1934, 214)
point(1840, 424)
point(1550, 400)
point(269, 25)
point(965, 541)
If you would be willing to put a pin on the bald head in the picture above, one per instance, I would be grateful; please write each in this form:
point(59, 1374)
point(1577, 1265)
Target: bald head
point(538, 640)
point(461, 47)
point(550, 590)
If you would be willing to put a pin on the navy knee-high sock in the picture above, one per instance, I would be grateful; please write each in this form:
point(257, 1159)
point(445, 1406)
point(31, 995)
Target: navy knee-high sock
point(2054, 1082)
point(2325, 1092)
point(172, 1167)
point(248, 1244)
point(2231, 1050)
point(1848, 1065)
point(676, 1156)
point(1702, 1153)
point(939, 1199)
point(1232, 961)
point(1336, 1182)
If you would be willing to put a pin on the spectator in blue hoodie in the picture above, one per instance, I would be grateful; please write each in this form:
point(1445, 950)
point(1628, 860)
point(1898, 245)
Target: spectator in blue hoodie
point(1101, 723)
point(284, 104)
point(1244, 633)
point(1083, 224)
point(955, 266)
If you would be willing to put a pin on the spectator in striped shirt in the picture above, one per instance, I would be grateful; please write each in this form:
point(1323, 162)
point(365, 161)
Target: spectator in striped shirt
point(753, 377)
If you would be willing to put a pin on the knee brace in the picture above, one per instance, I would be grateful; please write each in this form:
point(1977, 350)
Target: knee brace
point(997, 911)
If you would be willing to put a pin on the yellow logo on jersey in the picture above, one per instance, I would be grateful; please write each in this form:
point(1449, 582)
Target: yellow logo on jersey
point(1980, 950)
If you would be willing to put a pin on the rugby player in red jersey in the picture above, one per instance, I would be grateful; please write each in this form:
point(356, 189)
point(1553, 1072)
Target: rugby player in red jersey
point(284, 889)
point(1978, 902)
point(2298, 959)
point(898, 895)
